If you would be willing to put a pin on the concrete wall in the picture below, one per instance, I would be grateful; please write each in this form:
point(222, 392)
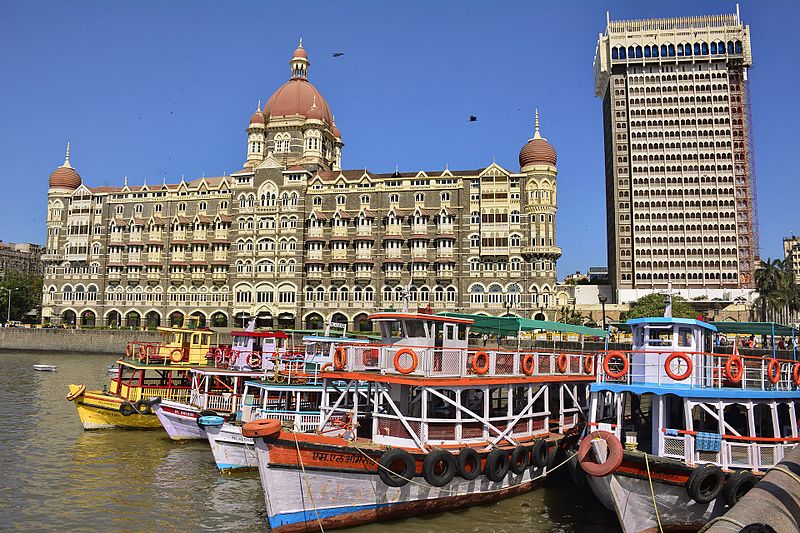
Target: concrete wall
point(76, 340)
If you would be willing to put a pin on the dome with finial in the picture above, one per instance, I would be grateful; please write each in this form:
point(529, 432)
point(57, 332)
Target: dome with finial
point(258, 116)
point(65, 177)
point(300, 51)
point(537, 151)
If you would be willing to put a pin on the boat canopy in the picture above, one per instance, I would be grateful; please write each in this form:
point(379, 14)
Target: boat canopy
point(261, 334)
point(512, 325)
point(757, 328)
point(671, 320)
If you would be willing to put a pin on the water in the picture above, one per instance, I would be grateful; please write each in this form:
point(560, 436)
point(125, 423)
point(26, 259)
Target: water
point(57, 477)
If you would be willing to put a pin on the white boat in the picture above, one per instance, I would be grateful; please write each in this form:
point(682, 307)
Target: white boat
point(45, 368)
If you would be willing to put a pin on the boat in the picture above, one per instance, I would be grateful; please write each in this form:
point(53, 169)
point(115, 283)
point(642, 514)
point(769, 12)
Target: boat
point(148, 372)
point(45, 368)
point(441, 425)
point(293, 396)
point(678, 434)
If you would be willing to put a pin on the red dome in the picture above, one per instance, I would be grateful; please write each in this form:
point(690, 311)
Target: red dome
point(336, 133)
point(257, 118)
point(65, 177)
point(537, 151)
point(296, 97)
point(300, 52)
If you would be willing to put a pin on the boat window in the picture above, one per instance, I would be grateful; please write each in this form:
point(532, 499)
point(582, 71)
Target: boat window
point(540, 405)
point(414, 328)
point(438, 408)
point(673, 412)
point(450, 331)
point(414, 402)
point(735, 415)
point(702, 420)
point(784, 420)
point(762, 415)
point(462, 332)
point(659, 336)
point(685, 337)
point(195, 339)
point(639, 336)
point(498, 402)
point(520, 399)
point(472, 399)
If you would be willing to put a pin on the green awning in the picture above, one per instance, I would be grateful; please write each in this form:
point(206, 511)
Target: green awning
point(756, 328)
point(512, 325)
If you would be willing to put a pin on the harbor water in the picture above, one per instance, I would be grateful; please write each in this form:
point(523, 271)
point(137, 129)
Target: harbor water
point(58, 477)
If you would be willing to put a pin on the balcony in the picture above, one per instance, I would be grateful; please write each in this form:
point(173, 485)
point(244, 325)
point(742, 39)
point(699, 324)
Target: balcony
point(545, 250)
point(200, 236)
point(315, 254)
point(339, 274)
point(177, 276)
point(315, 231)
point(154, 237)
point(363, 274)
point(445, 253)
point(339, 231)
point(419, 274)
point(394, 229)
point(394, 253)
point(52, 257)
point(314, 274)
point(419, 229)
point(445, 273)
point(219, 276)
point(393, 274)
point(114, 276)
point(153, 276)
point(199, 276)
point(179, 236)
point(339, 254)
point(221, 235)
point(364, 231)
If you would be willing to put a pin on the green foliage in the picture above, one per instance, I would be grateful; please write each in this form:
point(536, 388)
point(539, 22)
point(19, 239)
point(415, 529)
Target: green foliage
point(653, 305)
point(778, 293)
point(568, 315)
point(26, 294)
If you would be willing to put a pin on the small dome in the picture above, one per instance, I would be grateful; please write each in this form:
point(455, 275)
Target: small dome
point(537, 152)
point(65, 177)
point(300, 52)
point(314, 113)
point(257, 118)
point(336, 133)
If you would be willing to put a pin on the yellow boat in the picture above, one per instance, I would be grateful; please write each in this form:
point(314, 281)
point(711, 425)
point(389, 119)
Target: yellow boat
point(149, 371)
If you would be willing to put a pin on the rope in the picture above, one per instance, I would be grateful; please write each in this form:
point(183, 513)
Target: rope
point(786, 471)
point(652, 493)
point(308, 485)
point(722, 518)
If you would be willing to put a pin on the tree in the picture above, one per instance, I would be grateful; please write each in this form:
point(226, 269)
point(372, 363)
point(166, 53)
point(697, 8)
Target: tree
point(568, 315)
point(653, 305)
point(778, 292)
point(26, 294)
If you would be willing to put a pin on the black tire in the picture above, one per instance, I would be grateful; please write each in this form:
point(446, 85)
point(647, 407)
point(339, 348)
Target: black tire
point(737, 485)
point(205, 412)
point(540, 453)
point(439, 468)
point(469, 464)
point(127, 409)
point(143, 407)
point(705, 483)
point(388, 470)
point(520, 459)
point(497, 464)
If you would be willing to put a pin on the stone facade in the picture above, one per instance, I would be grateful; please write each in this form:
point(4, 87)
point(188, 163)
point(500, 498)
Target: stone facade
point(679, 175)
point(20, 257)
point(791, 253)
point(295, 241)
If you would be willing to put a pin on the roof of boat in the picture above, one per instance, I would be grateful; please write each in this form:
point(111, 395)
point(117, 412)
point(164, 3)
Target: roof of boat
point(322, 338)
point(271, 385)
point(451, 381)
point(419, 316)
point(185, 330)
point(671, 320)
point(685, 391)
point(261, 334)
point(512, 325)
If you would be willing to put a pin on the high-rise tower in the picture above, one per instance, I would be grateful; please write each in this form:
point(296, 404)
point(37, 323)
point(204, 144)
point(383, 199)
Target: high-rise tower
point(678, 150)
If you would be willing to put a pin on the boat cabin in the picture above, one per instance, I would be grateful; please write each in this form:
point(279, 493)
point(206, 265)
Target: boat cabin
point(143, 381)
point(188, 345)
point(258, 349)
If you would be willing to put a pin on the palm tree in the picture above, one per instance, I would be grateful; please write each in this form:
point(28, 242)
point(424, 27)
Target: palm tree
point(767, 277)
point(778, 291)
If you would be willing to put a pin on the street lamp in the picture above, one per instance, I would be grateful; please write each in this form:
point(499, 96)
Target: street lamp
point(603, 301)
point(8, 313)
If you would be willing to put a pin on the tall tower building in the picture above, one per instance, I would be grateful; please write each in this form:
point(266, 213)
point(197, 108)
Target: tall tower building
point(678, 151)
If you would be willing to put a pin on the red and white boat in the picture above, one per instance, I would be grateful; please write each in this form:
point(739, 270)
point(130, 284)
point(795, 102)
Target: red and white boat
point(440, 426)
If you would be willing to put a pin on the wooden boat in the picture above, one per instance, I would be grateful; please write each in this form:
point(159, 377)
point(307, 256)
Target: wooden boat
point(679, 433)
point(147, 372)
point(45, 368)
point(292, 396)
point(441, 426)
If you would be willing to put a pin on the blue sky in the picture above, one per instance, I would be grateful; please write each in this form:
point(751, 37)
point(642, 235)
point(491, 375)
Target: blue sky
point(154, 90)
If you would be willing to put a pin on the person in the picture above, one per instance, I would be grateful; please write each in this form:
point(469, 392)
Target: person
point(751, 342)
point(781, 344)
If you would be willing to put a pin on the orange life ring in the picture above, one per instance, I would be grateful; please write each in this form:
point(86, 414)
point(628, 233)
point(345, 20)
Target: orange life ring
point(731, 375)
point(613, 460)
point(414, 360)
point(528, 364)
point(588, 363)
point(176, 356)
point(143, 351)
point(325, 367)
point(774, 371)
point(264, 427)
point(340, 358)
point(483, 367)
point(129, 350)
point(796, 374)
point(561, 362)
point(254, 360)
point(685, 358)
point(73, 395)
point(621, 372)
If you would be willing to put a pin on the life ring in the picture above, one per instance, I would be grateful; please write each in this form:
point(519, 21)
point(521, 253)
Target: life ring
point(396, 467)
point(613, 459)
point(734, 376)
point(129, 350)
point(480, 368)
point(76, 393)
point(528, 364)
point(439, 468)
point(414, 360)
point(705, 483)
point(497, 465)
point(143, 407)
point(774, 371)
point(615, 374)
point(254, 360)
point(127, 409)
point(683, 357)
point(326, 367)
point(796, 374)
point(588, 363)
point(561, 362)
point(176, 356)
point(142, 351)
point(263, 427)
point(340, 358)
point(469, 464)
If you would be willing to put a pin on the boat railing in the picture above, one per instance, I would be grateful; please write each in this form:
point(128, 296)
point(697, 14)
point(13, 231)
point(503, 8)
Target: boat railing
point(302, 421)
point(225, 401)
point(135, 393)
point(730, 451)
point(697, 370)
point(426, 361)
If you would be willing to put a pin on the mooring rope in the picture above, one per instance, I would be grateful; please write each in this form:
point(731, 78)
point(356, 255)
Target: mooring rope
point(652, 492)
point(308, 485)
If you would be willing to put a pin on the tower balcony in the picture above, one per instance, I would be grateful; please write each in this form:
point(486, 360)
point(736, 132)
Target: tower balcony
point(541, 250)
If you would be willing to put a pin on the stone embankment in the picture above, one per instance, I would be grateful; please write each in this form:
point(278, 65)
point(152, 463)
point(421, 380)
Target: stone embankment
point(76, 340)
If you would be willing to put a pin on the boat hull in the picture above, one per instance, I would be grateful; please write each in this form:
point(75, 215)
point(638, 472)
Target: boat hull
point(179, 420)
point(339, 496)
point(231, 450)
point(98, 410)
